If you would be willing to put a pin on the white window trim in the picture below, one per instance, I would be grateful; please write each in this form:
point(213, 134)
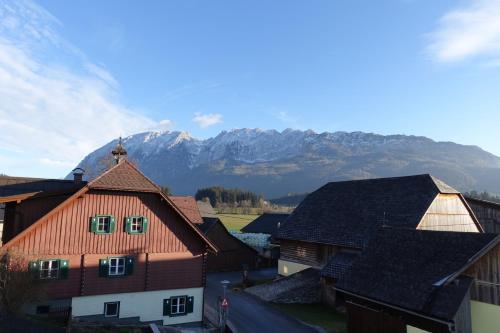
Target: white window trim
point(114, 271)
point(117, 309)
point(105, 230)
point(50, 269)
point(178, 306)
point(138, 222)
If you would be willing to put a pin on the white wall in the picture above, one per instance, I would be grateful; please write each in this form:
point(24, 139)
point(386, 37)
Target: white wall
point(286, 268)
point(147, 305)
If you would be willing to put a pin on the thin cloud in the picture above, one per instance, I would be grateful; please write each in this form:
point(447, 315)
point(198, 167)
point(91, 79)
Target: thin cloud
point(53, 112)
point(285, 118)
point(207, 120)
point(467, 32)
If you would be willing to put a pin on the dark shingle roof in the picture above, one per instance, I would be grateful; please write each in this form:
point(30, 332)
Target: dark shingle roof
point(208, 222)
point(12, 186)
point(403, 268)
point(347, 213)
point(267, 223)
point(338, 264)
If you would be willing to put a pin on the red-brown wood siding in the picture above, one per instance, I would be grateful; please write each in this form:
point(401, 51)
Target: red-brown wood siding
point(67, 232)
point(168, 256)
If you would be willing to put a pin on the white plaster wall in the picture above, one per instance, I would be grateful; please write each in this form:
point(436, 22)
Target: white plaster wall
point(286, 268)
point(147, 305)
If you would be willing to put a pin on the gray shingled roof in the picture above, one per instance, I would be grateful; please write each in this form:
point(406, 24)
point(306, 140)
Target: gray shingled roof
point(10, 186)
point(338, 264)
point(267, 223)
point(348, 213)
point(402, 267)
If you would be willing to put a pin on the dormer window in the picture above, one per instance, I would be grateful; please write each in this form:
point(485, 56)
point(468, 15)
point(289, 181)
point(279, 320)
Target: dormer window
point(136, 224)
point(103, 224)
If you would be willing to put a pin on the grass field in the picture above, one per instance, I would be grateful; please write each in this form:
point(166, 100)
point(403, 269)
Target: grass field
point(317, 315)
point(234, 222)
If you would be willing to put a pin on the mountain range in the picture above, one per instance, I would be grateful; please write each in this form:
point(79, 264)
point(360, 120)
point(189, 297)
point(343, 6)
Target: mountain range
point(275, 163)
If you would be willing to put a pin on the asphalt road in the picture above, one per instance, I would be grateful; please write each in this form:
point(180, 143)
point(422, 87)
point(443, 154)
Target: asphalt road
point(247, 314)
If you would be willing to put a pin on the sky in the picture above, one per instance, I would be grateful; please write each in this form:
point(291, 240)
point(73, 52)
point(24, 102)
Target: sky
point(76, 74)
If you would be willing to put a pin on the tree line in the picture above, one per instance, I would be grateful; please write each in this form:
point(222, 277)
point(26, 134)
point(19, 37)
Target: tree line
point(483, 196)
point(220, 196)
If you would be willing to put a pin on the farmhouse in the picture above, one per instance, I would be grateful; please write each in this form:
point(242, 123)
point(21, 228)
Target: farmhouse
point(114, 249)
point(337, 221)
point(424, 281)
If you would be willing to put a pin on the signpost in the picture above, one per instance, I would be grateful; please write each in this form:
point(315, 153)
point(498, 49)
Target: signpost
point(223, 307)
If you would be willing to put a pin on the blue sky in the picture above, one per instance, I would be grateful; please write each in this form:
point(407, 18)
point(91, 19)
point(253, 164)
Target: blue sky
point(75, 74)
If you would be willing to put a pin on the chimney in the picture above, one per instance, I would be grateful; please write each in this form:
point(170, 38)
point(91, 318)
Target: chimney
point(78, 175)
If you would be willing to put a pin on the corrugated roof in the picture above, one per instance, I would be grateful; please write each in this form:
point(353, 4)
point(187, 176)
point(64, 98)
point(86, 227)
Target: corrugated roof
point(348, 213)
point(267, 223)
point(403, 267)
point(189, 207)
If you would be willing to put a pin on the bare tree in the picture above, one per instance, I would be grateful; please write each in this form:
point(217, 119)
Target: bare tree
point(18, 286)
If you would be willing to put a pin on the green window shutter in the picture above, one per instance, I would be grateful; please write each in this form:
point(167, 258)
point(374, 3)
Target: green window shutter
point(167, 309)
point(103, 267)
point(128, 223)
point(63, 268)
point(93, 224)
point(145, 223)
point(112, 224)
point(189, 304)
point(129, 265)
point(34, 268)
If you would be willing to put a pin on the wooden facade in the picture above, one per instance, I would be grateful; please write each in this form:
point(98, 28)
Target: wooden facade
point(170, 254)
point(310, 254)
point(486, 274)
point(488, 214)
point(448, 212)
point(233, 254)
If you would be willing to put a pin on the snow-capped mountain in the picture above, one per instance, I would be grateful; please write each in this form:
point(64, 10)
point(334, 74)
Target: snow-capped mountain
point(275, 163)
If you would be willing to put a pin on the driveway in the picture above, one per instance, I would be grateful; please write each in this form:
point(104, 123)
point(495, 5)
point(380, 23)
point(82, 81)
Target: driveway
point(248, 314)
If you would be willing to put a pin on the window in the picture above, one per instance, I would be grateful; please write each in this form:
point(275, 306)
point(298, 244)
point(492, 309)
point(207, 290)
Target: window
point(116, 266)
point(49, 269)
point(136, 224)
point(111, 309)
point(178, 306)
point(102, 224)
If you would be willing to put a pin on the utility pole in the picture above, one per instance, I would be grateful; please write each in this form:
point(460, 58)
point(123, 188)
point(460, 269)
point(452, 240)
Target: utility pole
point(223, 306)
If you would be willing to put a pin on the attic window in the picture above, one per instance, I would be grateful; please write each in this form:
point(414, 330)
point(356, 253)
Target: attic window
point(103, 224)
point(136, 224)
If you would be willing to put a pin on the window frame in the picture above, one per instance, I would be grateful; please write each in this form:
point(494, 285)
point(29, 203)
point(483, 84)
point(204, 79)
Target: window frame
point(49, 269)
point(140, 223)
point(116, 270)
point(108, 231)
point(117, 309)
point(178, 305)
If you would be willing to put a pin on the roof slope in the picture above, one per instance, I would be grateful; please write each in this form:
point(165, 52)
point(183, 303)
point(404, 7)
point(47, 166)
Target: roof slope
point(348, 213)
point(404, 268)
point(189, 207)
point(19, 186)
point(125, 177)
point(121, 177)
point(206, 209)
point(267, 223)
point(338, 264)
